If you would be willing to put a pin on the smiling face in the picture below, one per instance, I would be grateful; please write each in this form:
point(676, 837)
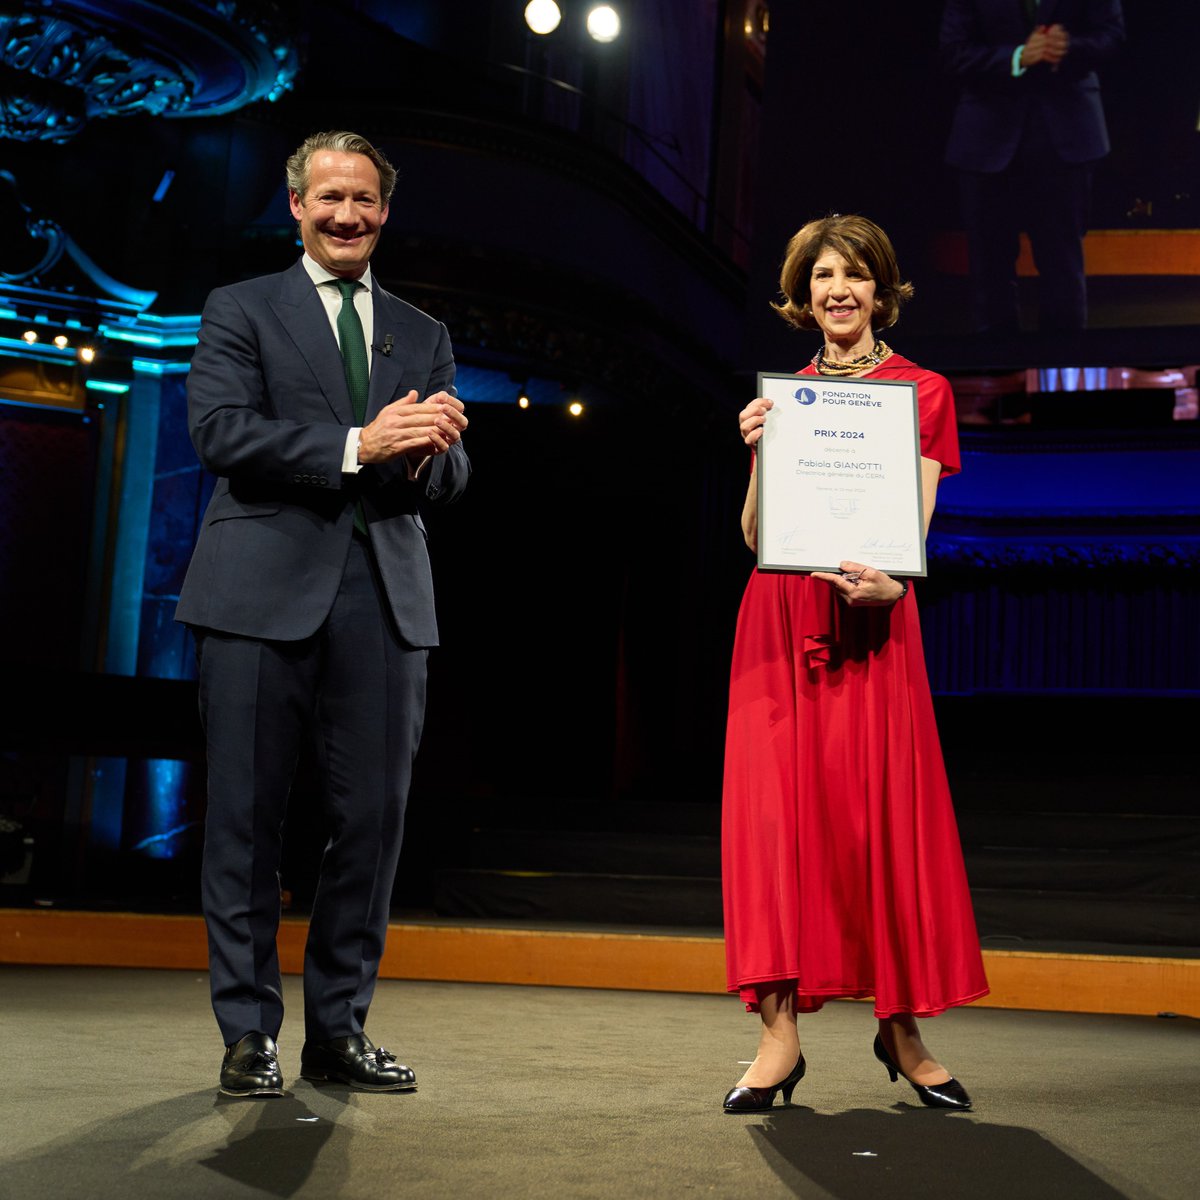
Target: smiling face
point(842, 297)
point(341, 213)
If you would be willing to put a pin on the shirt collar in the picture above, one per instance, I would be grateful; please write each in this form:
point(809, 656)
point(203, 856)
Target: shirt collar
point(319, 275)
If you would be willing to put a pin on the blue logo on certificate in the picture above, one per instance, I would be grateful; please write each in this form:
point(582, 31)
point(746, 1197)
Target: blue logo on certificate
point(806, 395)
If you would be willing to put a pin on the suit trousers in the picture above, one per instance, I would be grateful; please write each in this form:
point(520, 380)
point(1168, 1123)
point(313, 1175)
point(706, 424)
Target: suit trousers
point(359, 692)
point(1050, 200)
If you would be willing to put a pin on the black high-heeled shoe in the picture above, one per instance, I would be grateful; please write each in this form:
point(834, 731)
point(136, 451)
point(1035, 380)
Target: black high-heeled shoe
point(754, 1099)
point(950, 1094)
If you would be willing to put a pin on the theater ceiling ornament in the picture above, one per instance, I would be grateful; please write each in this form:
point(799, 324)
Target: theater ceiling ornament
point(84, 60)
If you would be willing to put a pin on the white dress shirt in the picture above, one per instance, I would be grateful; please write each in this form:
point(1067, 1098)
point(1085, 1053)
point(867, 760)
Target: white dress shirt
point(332, 299)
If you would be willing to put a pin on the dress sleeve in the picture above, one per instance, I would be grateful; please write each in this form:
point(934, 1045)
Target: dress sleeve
point(939, 427)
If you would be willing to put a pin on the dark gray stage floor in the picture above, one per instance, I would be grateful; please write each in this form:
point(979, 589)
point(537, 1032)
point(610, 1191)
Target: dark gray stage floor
point(538, 1092)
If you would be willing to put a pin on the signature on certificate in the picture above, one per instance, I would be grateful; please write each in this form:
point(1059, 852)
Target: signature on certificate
point(795, 539)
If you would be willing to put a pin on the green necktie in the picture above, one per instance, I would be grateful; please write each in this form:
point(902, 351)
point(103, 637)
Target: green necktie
point(1031, 11)
point(354, 361)
point(354, 350)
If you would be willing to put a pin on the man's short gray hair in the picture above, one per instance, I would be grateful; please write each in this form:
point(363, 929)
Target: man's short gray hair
point(344, 142)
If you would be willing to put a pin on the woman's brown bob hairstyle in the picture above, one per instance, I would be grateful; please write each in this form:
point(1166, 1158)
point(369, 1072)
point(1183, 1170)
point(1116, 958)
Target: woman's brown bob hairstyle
point(862, 244)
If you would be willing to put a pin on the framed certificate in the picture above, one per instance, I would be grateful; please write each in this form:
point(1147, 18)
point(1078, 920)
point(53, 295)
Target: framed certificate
point(839, 475)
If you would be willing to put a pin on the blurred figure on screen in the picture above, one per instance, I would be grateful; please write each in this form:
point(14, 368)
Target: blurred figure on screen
point(1027, 133)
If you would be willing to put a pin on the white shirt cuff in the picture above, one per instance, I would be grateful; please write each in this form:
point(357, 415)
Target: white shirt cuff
point(1017, 69)
point(350, 463)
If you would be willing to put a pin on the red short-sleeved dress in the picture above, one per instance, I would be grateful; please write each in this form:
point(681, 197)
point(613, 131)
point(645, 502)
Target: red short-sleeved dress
point(841, 860)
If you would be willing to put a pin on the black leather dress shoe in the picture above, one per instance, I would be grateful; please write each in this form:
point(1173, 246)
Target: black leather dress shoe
point(251, 1067)
point(356, 1060)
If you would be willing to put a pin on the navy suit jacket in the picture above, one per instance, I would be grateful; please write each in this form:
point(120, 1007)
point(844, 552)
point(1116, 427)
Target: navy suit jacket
point(977, 41)
point(268, 413)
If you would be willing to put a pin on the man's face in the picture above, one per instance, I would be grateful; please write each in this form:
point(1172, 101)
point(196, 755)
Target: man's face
point(341, 213)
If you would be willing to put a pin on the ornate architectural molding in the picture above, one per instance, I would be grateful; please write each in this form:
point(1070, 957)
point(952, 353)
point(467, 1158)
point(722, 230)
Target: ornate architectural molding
point(40, 265)
point(84, 59)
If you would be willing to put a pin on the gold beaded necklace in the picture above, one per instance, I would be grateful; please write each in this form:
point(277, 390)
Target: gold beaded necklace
point(864, 362)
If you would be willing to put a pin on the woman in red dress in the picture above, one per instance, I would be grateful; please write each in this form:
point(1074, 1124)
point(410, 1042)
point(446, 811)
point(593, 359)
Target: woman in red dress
point(843, 873)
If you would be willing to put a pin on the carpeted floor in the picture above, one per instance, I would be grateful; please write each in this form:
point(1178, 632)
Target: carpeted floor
point(542, 1092)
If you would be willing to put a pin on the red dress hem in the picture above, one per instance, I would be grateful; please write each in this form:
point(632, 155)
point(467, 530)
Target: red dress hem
point(812, 1001)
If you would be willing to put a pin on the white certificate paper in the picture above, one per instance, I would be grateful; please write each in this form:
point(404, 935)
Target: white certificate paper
point(839, 475)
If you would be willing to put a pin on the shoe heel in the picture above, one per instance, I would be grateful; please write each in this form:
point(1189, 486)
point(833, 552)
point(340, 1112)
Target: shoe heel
point(886, 1059)
point(789, 1084)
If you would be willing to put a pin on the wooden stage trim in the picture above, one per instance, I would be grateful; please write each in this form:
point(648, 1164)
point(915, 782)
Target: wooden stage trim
point(1105, 252)
point(1092, 983)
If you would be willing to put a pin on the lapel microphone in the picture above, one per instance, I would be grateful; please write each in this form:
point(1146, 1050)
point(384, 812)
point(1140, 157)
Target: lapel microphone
point(386, 348)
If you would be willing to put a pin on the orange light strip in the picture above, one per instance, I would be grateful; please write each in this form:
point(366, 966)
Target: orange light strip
point(1105, 252)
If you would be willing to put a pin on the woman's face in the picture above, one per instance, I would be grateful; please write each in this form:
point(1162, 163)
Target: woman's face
point(842, 299)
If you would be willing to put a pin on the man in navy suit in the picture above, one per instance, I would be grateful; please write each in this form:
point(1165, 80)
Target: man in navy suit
point(326, 408)
point(1027, 133)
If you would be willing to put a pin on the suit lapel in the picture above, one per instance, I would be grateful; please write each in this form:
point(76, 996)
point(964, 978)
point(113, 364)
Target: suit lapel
point(302, 315)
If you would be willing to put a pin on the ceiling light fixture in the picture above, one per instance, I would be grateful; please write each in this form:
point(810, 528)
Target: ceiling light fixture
point(542, 16)
point(603, 23)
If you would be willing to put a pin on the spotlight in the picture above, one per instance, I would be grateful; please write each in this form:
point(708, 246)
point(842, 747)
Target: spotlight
point(522, 401)
point(542, 16)
point(575, 408)
point(603, 23)
point(757, 24)
point(87, 354)
point(61, 341)
point(30, 335)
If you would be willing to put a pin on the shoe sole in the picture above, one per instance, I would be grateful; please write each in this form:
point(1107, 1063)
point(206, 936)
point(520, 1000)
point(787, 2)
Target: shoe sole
point(254, 1092)
point(737, 1112)
point(358, 1087)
